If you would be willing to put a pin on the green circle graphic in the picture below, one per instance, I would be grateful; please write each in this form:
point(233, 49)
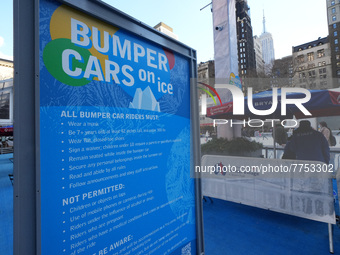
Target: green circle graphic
point(52, 57)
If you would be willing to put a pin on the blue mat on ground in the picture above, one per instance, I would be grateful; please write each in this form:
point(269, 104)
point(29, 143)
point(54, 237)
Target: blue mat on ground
point(231, 228)
point(6, 205)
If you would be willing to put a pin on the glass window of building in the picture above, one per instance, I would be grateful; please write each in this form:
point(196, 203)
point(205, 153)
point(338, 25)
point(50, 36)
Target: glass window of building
point(333, 10)
point(5, 98)
point(334, 25)
point(322, 70)
point(301, 59)
point(333, 2)
point(334, 18)
point(311, 74)
point(335, 33)
point(310, 56)
point(336, 41)
point(321, 53)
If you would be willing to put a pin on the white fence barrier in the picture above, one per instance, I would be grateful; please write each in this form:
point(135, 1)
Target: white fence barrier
point(288, 186)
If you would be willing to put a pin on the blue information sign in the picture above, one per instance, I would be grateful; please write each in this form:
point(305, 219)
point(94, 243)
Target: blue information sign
point(114, 140)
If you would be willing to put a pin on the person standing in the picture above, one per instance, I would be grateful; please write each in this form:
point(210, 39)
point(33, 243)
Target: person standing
point(280, 135)
point(308, 144)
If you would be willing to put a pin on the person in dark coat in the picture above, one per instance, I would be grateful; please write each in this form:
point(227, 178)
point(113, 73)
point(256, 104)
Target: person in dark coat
point(308, 144)
point(280, 135)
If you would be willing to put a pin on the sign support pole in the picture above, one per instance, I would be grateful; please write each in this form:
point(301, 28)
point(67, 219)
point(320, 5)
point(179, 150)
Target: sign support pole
point(25, 82)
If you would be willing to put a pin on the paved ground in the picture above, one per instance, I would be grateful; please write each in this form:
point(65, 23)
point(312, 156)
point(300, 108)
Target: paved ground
point(231, 228)
point(6, 205)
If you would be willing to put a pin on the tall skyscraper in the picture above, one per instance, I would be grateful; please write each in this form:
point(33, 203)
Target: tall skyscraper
point(333, 18)
point(258, 55)
point(245, 43)
point(268, 54)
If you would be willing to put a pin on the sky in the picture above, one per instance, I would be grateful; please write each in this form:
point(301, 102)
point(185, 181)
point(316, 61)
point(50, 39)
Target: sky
point(6, 30)
point(291, 22)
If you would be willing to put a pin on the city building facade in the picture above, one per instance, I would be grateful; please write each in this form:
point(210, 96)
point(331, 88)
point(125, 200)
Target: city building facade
point(6, 92)
point(333, 18)
point(245, 42)
point(258, 56)
point(165, 29)
point(312, 65)
point(6, 69)
point(206, 71)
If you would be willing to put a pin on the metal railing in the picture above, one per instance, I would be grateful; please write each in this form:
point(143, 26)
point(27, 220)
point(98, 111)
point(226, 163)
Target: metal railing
point(6, 150)
point(268, 152)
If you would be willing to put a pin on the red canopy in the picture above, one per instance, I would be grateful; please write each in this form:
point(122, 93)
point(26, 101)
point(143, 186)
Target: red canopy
point(6, 131)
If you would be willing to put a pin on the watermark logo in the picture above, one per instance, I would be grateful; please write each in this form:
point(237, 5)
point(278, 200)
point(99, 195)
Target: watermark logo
point(238, 100)
point(204, 97)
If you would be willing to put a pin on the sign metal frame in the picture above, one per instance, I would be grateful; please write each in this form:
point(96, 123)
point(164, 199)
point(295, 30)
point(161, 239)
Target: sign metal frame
point(27, 239)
